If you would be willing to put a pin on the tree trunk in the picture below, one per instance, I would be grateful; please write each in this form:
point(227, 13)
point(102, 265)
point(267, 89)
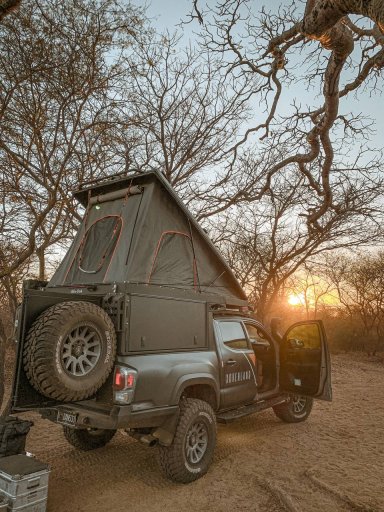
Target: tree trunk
point(41, 256)
point(2, 360)
point(2, 368)
point(321, 15)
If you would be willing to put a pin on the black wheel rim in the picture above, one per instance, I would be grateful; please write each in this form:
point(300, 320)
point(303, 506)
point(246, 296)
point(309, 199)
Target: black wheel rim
point(196, 442)
point(81, 350)
point(298, 403)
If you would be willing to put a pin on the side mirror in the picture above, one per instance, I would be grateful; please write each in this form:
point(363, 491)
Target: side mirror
point(295, 343)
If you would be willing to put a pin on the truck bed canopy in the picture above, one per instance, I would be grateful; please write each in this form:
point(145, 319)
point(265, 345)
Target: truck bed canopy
point(137, 230)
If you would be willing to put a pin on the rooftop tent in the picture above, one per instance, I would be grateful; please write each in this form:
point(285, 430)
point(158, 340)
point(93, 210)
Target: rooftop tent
point(137, 230)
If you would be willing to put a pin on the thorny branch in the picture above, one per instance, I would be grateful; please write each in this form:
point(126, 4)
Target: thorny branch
point(263, 48)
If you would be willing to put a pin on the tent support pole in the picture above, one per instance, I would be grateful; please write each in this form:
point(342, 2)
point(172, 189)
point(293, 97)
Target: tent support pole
point(194, 254)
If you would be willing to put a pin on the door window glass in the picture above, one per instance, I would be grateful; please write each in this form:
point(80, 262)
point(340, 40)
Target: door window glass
point(304, 336)
point(257, 334)
point(233, 335)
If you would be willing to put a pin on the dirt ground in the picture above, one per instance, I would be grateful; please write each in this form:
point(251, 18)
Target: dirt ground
point(332, 462)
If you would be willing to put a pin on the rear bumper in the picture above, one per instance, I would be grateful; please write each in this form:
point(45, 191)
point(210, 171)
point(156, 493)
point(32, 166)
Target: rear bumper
point(115, 417)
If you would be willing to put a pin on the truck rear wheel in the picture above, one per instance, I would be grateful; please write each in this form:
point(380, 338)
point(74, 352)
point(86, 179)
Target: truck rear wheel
point(191, 453)
point(88, 438)
point(69, 351)
point(297, 409)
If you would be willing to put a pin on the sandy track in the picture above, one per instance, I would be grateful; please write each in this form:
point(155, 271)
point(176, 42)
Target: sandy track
point(332, 462)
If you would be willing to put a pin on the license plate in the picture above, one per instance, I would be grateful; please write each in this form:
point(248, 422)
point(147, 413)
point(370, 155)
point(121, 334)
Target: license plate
point(66, 418)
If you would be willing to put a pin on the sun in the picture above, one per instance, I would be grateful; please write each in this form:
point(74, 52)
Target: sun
point(296, 299)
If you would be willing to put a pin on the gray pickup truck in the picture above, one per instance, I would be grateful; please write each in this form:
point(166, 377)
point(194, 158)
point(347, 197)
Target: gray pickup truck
point(143, 327)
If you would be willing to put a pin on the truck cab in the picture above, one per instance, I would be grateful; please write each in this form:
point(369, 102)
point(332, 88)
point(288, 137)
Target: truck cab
point(256, 366)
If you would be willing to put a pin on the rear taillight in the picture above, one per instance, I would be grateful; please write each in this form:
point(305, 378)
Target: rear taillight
point(124, 383)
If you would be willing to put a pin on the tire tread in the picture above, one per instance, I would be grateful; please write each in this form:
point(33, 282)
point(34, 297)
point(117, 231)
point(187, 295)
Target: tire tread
point(39, 349)
point(81, 440)
point(284, 412)
point(170, 461)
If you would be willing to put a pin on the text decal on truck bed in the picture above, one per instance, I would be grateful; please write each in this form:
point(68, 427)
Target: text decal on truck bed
point(109, 347)
point(232, 377)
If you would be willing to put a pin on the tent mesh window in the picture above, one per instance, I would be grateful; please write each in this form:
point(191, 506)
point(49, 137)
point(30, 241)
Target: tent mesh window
point(99, 243)
point(173, 262)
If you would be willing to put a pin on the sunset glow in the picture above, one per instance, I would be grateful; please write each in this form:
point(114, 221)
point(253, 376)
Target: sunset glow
point(296, 299)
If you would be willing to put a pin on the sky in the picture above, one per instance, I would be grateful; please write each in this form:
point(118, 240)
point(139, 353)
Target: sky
point(166, 14)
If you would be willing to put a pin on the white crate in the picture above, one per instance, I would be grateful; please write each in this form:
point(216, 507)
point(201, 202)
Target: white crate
point(38, 506)
point(24, 481)
point(22, 500)
point(3, 503)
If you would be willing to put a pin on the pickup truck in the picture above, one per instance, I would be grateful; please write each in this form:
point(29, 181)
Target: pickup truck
point(143, 327)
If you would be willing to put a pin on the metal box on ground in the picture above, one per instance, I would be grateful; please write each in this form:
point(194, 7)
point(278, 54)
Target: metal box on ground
point(24, 482)
point(3, 504)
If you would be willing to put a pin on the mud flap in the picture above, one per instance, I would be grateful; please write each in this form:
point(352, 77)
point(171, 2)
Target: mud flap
point(166, 432)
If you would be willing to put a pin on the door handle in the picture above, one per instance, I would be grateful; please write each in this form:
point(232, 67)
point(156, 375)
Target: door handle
point(231, 362)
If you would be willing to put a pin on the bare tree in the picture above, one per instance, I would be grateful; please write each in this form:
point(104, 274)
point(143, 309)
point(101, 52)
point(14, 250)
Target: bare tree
point(267, 242)
point(58, 113)
point(265, 45)
point(10, 295)
point(104, 95)
point(59, 70)
point(310, 288)
point(186, 114)
point(359, 282)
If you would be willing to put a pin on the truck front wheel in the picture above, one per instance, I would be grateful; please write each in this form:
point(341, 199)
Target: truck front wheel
point(297, 409)
point(190, 455)
point(88, 438)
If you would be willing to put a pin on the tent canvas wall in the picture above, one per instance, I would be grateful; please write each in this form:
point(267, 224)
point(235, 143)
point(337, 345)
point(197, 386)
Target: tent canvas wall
point(137, 230)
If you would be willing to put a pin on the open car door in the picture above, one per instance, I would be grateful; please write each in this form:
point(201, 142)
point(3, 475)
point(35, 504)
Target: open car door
point(305, 366)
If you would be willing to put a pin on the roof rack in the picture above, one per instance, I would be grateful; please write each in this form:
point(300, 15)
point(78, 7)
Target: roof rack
point(226, 309)
point(109, 179)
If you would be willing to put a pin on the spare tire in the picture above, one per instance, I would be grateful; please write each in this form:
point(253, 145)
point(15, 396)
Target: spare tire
point(70, 351)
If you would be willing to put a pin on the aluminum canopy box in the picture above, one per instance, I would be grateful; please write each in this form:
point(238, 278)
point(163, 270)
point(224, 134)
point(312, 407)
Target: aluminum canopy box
point(24, 482)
